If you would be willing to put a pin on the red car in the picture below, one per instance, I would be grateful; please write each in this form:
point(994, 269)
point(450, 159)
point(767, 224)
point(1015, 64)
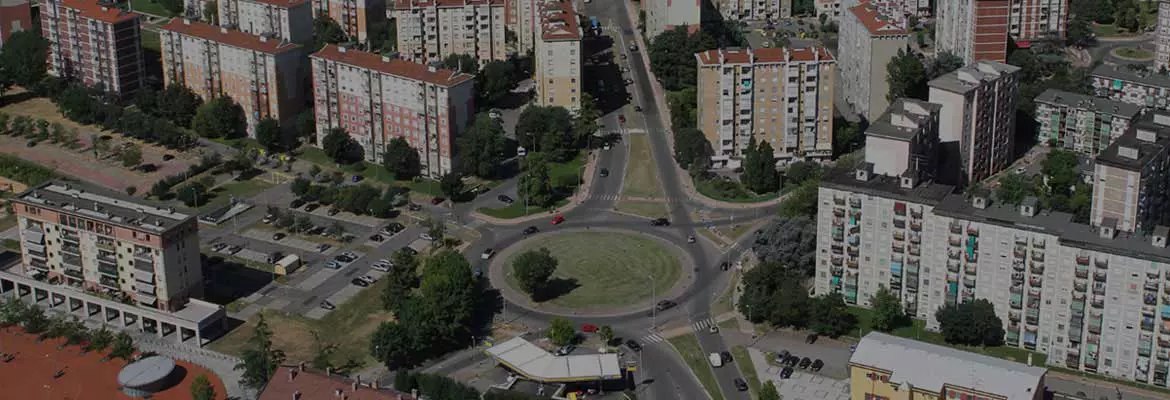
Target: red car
point(588, 328)
point(437, 200)
point(558, 219)
point(622, 118)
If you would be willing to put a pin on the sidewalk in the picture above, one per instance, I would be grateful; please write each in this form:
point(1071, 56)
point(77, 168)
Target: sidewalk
point(579, 197)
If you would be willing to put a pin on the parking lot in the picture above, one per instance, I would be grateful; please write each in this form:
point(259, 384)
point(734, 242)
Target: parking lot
point(802, 384)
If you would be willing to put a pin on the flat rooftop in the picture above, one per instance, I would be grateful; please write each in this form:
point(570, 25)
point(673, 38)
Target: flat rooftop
point(103, 205)
point(1097, 104)
point(1117, 73)
point(883, 126)
point(972, 76)
point(539, 365)
point(886, 186)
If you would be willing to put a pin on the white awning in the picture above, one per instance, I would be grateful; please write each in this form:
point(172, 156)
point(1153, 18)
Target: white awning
point(536, 364)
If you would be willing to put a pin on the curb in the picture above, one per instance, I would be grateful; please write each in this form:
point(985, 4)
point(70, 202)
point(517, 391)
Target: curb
point(579, 197)
point(692, 371)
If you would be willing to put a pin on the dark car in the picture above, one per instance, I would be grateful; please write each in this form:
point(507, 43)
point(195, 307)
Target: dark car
point(786, 373)
point(660, 222)
point(311, 207)
point(377, 238)
point(792, 361)
point(664, 305)
point(359, 282)
point(604, 172)
point(638, 108)
point(437, 200)
point(333, 211)
point(503, 198)
point(817, 365)
point(296, 203)
point(278, 235)
point(357, 178)
point(726, 356)
point(413, 207)
point(530, 230)
point(409, 250)
point(327, 305)
point(741, 384)
point(811, 338)
point(805, 362)
point(633, 345)
point(724, 266)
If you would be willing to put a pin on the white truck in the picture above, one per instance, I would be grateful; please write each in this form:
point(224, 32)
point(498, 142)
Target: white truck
point(715, 359)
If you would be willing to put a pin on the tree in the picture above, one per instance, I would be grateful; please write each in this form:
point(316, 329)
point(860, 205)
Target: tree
point(123, 346)
point(401, 280)
point(533, 269)
point(210, 13)
point(972, 323)
point(481, 148)
point(22, 59)
point(131, 155)
point(178, 104)
point(395, 344)
point(451, 184)
point(201, 389)
point(259, 360)
point(448, 294)
point(193, 194)
point(1080, 31)
point(545, 129)
point(773, 293)
point(945, 63)
point(759, 168)
point(887, 311)
point(300, 186)
point(435, 228)
point(691, 147)
point(1013, 188)
point(466, 63)
point(303, 223)
point(338, 145)
point(497, 79)
point(768, 392)
point(906, 76)
point(327, 31)
point(404, 381)
point(219, 118)
point(789, 242)
point(306, 126)
point(846, 134)
point(314, 171)
point(322, 351)
point(268, 135)
point(100, 339)
point(561, 332)
point(174, 7)
point(585, 122)
point(401, 160)
point(606, 333)
point(672, 56)
point(535, 186)
point(336, 229)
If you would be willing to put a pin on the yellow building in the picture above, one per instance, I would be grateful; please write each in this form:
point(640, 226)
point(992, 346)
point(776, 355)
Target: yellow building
point(886, 367)
point(558, 56)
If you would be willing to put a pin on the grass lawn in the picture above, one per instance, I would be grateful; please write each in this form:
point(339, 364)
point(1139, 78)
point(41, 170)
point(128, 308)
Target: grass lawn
point(1133, 52)
point(374, 173)
point(150, 7)
point(731, 191)
point(7, 222)
point(641, 175)
point(917, 331)
point(12, 244)
point(709, 234)
point(605, 269)
point(723, 303)
point(239, 189)
point(747, 368)
point(687, 346)
point(648, 209)
point(734, 232)
point(150, 40)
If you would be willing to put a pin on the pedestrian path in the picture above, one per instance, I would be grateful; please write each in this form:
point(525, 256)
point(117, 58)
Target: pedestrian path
point(703, 325)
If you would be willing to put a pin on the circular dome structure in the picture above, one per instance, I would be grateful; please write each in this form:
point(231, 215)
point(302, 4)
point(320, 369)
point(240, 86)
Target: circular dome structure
point(147, 376)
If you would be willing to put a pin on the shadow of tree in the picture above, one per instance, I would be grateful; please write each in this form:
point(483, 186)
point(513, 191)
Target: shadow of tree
point(555, 288)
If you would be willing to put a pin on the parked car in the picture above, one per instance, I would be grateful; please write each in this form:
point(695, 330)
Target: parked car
point(359, 282)
point(690, 238)
point(726, 355)
point(805, 362)
point(638, 108)
point(660, 222)
point(296, 203)
point(487, 253)
point(334, 211)
point(409, 250)
point(381, 267)
point(557, 220)
point(633, 47)
point(268, 219)
point(356, 178)
point(503, 198)
point(333, 264)
point(530, 230)
point(218, 247)
point(786, 373)
point(278, 235)
point(323, 247)
point(811, 338)
point(740, 384)
point(311, 207)
point(665, 305)
point(633, 345)
point(724, 266)
point(817, 365)
point(377, 238)
point(604, 172)
point(427, 236)
point(368, 279)
point(413, 207)
point(327, 305)
point(437, 200)
point(392, 229)
point(234, 249)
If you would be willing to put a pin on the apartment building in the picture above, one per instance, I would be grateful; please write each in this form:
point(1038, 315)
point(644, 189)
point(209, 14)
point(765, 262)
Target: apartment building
point(868, 40)
point(975, 30)
point(755, 10)
point(558, 56)
point(376, 98)
point(1138, 88)
point(897, 11)
point(429, 31)
point(15, 16)
point(977, 119)
point(904, 140)
point(1084, 124)
point(1162, 37)
point(288, 20)
point(1038, 19)
point(889, 367)
point(831, 8)
point(96, 44)
point(783, 96)
point(262, 75)
point(354, 16)
point(664, 15)
point(1130, 177)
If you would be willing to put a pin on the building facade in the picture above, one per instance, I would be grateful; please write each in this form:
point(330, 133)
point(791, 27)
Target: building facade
point(1138, 88)
point(98, 45)
point(262, 75)
point(867, 42)
point(429, 31)
point(1162, 37)
point(747, 10)
point(354, 16)
point(1081, 123)
point(558, 57)
point(978, 118)
point(783, 96)
point(897, 11)
point(290, 20)
point(1130, 177)
point(903, 141)
point(975, 30)
point(15, 16)
point(664, 15)
point(376, 99)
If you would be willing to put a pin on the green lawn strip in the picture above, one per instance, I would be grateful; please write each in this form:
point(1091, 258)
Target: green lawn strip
point(370, 171)
point(564, 177)
point(723, 303)
point(917, 331)
point(150, 7)
point(688, 348)
point(641, 175)
point(648, 209)
point(706, 187)
point(239, 189)
point(747, 368)
point(1132, 52)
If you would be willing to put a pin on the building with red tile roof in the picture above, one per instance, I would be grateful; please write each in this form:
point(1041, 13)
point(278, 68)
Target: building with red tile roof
point(298, 382)
point(15, 16)
point(356, 17)
point(558, 56)
point(664, 15)
point(429, 31)
point(96, 44)
point(377, 98)
point(782, 96)
point(868, 40)
point(262, 75)
point(289, 20)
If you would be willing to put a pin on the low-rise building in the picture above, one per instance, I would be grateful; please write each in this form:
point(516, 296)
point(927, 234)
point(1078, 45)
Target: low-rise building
point(300, 383)
point(1139, 88)
point(377, 98)
point(558, 57)
point(431, 30)
point(290, 20)
point(1085, 124)
point(98, 45)
point(903, 141)
point(867, 42)
point(262, 75)
point(356, 17)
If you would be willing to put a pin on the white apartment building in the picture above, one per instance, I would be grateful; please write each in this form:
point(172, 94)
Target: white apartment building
point(1130, 177)
point(898, 11)
point(98, 45)
point(558, 57)
point(262, 75)
point(984, 38)
point(978, 118)
point(755, 10)
point(1085, 124)
point(783, 96)
point(1162, 37)
point(903, 141)
point(377, 98)
point(429, 31)
point(290, 20)
point(1143, 89)
point(664, 15)
point(867, 42)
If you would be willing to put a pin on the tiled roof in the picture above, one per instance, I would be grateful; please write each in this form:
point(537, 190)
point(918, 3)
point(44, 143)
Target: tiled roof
point(764, 55)
point(91, 9)
point(876, 23)
point(312, 385)
point(282, 3)
point(392, 66)
point(559, 21)
point(408, 4)
point(230, 37)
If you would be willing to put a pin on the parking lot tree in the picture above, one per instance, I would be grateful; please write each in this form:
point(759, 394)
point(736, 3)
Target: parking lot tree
point(972, 323)
point(123, 346)
point(268, 135)
point(201, 389)
point(449, 293)
point(177, 104)
point(496, 80)
point(533, 269)
point(306, 126)
point(789, 242)
point(131, 155)
point(300, 186)
point(193, 194)
point(339, 146)
point(451, 184)
point(382, 207)
point(481, 148)
point(401, 160)
point(336, 229)
point(400, 281)
point(274, 211)
point(259, 359)
point(535, 187)
point(768, 391)
point(561, 332)
point(887, 311)
point(435, 227)
point(286, 221)
point(691, 147)
point(22, 59)
point(219, 118)
point(606, 333)
point(759, 168)
point(828, 315)
point(314, 171)
point(906, 76)
point(304, 223)
point(396, 345)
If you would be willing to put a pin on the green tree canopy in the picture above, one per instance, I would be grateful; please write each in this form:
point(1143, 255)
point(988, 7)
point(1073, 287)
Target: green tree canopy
point(465, 63)
point(481, 148)
point(339, 146)
point(496, 80)
point(220, 118)
point(533, 269)
point(451, 184)
point(944, 63)
point(535, 186)
point(545, 129)
point(972, 323)
point(259, 360)
point(561, 332)
point(887, 311)
point(327, 31)
point(759, 168)
point(201, 388)
point(22, 59)
point(672, 56)
point(691, 147)
point(268, 135)
point(401, 160)
point(906, 76)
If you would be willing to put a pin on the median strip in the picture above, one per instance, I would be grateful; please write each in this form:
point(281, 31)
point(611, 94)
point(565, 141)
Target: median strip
point(687, 346)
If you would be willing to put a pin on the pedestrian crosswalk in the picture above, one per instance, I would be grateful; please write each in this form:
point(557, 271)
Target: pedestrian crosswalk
point(703, 325)
point(652, 338)
point(613, 197)
point(616, 197)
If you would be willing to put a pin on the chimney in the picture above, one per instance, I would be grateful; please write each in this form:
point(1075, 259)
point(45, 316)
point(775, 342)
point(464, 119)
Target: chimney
point(341, 49)
point(1159, 237)
point(301, 366)
point(1028, 207)
point(186, 21)
point(1108, 228)
point(328, 371)
point(979, 201)
point(386, 59)
point(414, 394)
point(263, 39)
point(222, 30)
point(292, 373)
point(296, 395)
point(353, 386)
point(431, 68)
point(864, 171)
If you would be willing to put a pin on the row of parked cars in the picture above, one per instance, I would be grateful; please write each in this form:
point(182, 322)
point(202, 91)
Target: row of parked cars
point(792, 361)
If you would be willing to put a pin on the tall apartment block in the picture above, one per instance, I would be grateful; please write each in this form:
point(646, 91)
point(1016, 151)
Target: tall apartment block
point(558, 56)
point(783, 96)
point(377, 98)
point(885, 366)
point(975, 30)
point(262, 75)
point(289, 20)
point(755, 10)
point(354, 16)
point(1130, 177)
point(1084, 124)
point(431, 30)
point(977, 119)
point(1138, 88)
point(1162, 37)
point(95, 44)
point(15, 16)
point(664, 15)
point(867, 42)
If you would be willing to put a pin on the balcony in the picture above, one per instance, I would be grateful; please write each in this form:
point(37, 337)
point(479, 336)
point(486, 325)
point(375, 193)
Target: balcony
point(144, 256)
point(1018, 278)
point(852, 263)
point(1102, 263)
point(1020, 253)
point(855, 202)
point(107, 269)
point(915, 237)
point(1100, 276)
point(916, 226)
point(900, 224)
point(1016, 289)
point(1097, 302)
point(956, 227)
point(1083, 260)
point(1014, 316)
point(973, 231)
point(837, 260)
point(1082, 272)
point(75, 273)
point(971, 269)
point(1098, 288)
point(1018, 266)
point(1037, 256)
point(969, 282)
point(1038, 243)
point(955, 241)
point(108, 282)
point(1080, 286)
point(953, 266)
point(839, 200)
point(1036, 281)
point(915, 214)
point(70, 237)
point(899, 236)
point(914, 250)
point(1038, 268)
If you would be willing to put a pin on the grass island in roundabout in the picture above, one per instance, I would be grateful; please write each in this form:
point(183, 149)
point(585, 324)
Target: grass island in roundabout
point(601, 269)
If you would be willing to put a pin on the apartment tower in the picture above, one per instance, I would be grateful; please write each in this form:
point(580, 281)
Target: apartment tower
point(1162, 37)
point(15, 16)
point(354, 16)
point(975, 30)
point(867, 42)
point(288, 20)
point(664, 15)
point(558, 56)
point(1081, 123)
point(977, 119)
point(98, 45)
point(1130, 177)
point(431, 30)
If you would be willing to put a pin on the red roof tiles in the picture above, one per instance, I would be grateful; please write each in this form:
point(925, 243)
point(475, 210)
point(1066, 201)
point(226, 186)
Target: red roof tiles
point(283, 3)
point(91, 9)
point(408, 4)
point(559, 21)
point(311, 385)
point(875, 22)
point(763, 55)
point(392, 66)
point(230, 37)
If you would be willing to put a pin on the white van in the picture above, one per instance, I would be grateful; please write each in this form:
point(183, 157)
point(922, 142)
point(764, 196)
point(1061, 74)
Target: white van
point(715, 359)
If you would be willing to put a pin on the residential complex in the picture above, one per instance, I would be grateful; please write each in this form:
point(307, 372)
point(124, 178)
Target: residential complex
point(297, 382)
point(377, 98)
point(975, 30)
point(904, 140)
point(783, 96)
point(831, 8)
point(664, 15)
point(1130, 177)
point(558, 57)
point(977, 121)
point(95, 44)
point(1081, 123)
point(15, 16)
point(431, 30)
point(262, 75)
point(889, 367)
point(755, 10)
point(897, 11)
point(289, 20)
point(354, 16)
point(867, 42)
point(1138, 88)
point(1162, 37)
